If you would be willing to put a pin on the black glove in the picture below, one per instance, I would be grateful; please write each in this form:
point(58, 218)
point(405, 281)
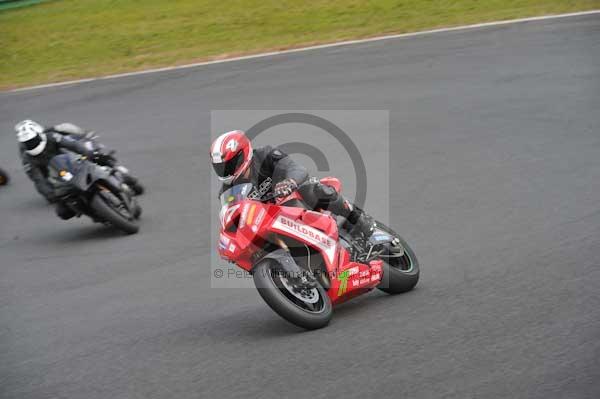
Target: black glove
point(103, 159)
point(285, 187)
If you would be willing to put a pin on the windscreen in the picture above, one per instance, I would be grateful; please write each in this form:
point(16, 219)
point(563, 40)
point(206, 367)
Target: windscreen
point(62, 168)
point(68, 162)
point(235, 194)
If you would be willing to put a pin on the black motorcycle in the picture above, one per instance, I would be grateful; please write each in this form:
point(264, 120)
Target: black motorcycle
point(4, 178)
point(93, 190)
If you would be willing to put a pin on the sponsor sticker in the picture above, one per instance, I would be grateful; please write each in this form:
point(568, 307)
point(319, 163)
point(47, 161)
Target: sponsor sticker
point(251, 214)
point(260, 217)
point(244, 215)
point(380, 237)
point(343, 279)
point(308, 234)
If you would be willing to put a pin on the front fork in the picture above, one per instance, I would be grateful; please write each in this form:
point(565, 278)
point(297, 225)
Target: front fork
point(120, 192)
point(297, 276)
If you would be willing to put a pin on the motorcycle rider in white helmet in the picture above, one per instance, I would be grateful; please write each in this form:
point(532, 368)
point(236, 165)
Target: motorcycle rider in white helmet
point(37, 145)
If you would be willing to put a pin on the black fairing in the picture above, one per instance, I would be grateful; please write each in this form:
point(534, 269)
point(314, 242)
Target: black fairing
point(83, 173)
point(78, 182)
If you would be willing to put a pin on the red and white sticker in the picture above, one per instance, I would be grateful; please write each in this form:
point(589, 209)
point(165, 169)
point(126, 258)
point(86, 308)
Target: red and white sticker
point(308, 234)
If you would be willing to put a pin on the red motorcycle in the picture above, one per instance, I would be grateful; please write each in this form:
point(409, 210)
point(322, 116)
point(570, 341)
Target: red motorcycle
point(302, 262)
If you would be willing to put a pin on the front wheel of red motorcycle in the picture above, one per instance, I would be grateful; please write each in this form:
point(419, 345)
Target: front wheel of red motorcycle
point(309, 308)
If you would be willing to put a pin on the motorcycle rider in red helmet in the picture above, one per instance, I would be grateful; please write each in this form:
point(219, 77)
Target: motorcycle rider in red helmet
point(269, 169)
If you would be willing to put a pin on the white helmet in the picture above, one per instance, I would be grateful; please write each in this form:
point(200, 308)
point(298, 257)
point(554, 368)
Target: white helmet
point(31, 135)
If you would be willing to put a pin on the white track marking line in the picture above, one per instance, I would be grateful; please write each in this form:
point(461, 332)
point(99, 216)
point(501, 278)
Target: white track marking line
point(320, 46)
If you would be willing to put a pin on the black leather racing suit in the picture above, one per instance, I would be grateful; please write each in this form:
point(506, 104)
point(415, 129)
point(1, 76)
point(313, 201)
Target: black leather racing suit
point(36, 166)
point(270, 166)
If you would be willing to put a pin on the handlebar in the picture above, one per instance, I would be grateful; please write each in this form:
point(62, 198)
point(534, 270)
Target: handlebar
point(104, 158)
point(268, 197)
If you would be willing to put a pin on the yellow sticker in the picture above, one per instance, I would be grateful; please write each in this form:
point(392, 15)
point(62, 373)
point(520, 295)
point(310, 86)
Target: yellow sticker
point(251, 214)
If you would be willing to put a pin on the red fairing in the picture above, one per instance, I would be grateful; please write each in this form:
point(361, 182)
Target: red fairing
point(354, 279)
point(248, 226)
point(317, 220)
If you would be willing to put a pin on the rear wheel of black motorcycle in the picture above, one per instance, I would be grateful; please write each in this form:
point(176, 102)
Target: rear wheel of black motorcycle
point(107, 213)
point(400, 274)
point(310, 310)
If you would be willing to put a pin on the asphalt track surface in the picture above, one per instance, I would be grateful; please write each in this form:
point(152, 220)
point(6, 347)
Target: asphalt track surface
point(496, 140)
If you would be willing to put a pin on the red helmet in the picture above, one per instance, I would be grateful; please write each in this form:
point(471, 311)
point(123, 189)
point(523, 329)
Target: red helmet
point(231, 154)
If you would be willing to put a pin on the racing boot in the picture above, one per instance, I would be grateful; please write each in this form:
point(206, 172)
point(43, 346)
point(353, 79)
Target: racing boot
point(359, 224)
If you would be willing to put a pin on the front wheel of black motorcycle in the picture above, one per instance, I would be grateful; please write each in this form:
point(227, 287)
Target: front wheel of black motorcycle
point(107, 213)
point(308, 308)
point(400, 273)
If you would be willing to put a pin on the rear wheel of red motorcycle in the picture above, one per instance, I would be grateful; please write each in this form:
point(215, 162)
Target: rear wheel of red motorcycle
point(400, 274)
point(310, 309)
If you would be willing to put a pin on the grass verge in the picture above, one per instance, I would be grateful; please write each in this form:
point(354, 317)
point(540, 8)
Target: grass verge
point(71, 39)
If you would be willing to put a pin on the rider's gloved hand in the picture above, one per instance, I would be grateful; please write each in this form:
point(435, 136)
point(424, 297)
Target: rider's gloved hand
point(285, 187)
point(95, 156)
point(102, 158)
